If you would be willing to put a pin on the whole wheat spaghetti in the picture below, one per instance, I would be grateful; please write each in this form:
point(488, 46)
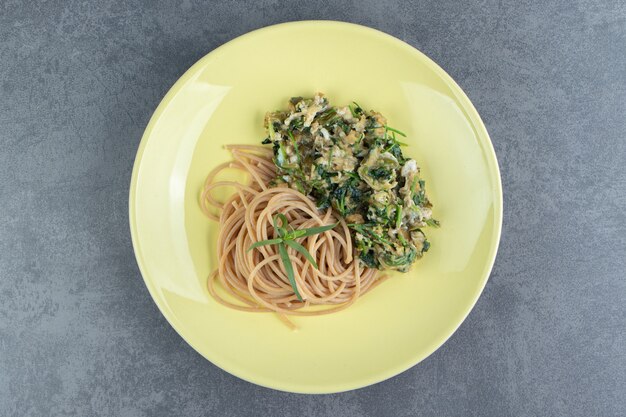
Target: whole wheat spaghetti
point(256, 280)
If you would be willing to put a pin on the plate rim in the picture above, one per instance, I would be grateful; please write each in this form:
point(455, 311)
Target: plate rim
point(471, 113)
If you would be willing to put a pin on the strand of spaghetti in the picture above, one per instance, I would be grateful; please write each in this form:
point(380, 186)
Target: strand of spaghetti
point(253, 148)
point(216, 296)
point(205, 196)
point(253, 172)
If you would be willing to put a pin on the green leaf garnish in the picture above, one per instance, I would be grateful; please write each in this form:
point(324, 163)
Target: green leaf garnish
point(264, 242)
point(289, 269)
point(316, 230)
point(287, 238)
point(280, 229)
point(295, 245)
point(391, 129)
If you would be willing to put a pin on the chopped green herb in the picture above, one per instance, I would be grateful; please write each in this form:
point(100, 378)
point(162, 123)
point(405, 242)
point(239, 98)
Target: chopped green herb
point(287, 238)
point(391, 129)
point(355, 164)
point(432, 223)
point(398, 216)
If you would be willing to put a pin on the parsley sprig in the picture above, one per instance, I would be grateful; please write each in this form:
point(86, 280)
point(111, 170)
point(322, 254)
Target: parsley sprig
point(288, 238)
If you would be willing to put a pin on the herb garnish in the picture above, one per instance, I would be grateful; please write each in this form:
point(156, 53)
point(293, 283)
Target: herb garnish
point(288, 238)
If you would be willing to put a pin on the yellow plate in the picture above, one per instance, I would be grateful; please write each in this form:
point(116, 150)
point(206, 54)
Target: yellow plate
point(221, 100)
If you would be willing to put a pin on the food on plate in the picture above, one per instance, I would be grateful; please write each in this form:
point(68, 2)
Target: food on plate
point(331, 202)
point(351, 160)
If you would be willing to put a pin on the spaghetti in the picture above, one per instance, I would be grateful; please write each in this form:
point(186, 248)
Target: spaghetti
point(256, 280)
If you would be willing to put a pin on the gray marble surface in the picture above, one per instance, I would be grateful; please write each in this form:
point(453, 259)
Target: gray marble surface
point(79, 333)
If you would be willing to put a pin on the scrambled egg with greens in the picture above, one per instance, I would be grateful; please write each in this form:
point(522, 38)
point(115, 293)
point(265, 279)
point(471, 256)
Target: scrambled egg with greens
point(349, 159)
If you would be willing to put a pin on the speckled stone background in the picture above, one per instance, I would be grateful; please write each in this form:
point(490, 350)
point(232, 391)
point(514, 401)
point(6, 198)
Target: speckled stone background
point(79, 333)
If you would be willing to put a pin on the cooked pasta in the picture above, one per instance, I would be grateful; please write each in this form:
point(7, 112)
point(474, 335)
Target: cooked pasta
point(329, 205)
point(257, 280)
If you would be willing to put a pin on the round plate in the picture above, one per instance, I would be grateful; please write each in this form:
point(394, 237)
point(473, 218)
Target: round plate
point(222, 100)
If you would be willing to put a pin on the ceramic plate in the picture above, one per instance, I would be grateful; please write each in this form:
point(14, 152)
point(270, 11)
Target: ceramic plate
point(222, 100)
